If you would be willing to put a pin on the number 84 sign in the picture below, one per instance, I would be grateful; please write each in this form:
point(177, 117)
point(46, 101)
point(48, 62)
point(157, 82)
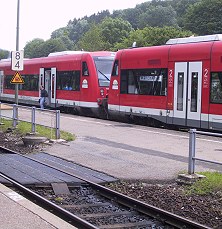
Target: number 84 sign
point(17, 60)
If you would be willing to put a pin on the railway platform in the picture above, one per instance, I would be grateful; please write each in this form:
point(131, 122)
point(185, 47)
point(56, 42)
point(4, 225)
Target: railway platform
point(19, 213)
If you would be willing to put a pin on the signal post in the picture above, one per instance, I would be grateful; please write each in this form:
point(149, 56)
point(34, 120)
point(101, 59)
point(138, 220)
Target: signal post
point(17, 65)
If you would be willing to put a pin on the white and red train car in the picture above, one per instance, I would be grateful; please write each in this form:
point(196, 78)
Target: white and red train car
point(179, 83)
point(74, 80)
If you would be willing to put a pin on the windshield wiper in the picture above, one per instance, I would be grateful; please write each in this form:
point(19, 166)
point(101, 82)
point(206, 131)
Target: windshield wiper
point(104, 75)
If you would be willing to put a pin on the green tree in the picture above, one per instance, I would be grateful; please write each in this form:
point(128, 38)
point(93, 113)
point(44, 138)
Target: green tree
point(181, 6)
point(4, 54)
point(115, 30)
point(60, 32)
point(68, 44)
point(34, 48)
point(158, 16)
point(77, 28)
point(152, 36)
point(131, 15)
point(204, 17)
point(98, 18)
point(40, 48)
point(93, 40)
point(53, 45)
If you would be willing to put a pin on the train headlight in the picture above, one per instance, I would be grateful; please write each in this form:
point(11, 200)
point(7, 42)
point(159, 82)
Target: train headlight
point(102, 92)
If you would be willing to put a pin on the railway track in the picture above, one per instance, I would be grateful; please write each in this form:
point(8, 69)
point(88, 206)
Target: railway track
point(91, 205)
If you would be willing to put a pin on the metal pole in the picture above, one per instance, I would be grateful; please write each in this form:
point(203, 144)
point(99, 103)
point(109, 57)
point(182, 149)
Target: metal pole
point(192, 151)
point(0, 110)
point(57, 124)
point(15, 115)
point(33, 120)
point(1, 114)
point(17, 47)
point(1, 123)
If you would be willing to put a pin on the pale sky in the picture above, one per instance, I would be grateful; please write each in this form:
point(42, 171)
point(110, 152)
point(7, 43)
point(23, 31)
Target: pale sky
point(39, 18)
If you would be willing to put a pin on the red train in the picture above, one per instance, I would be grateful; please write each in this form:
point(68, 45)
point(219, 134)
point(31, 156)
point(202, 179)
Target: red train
point(179, 83)
point(75, 81)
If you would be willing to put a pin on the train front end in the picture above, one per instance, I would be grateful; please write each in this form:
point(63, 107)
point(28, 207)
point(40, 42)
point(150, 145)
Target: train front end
point(95, 83)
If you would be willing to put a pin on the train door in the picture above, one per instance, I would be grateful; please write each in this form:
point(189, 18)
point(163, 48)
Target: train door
point(187, 93)
point(52, 94)
point(1, 82)
point(48, 80)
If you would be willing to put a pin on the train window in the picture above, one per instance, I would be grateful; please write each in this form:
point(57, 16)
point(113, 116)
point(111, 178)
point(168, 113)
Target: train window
point(216, 87)
point(115, 68)
point(68, 80)
point(194, 91)
point(85, 70)
point(144, 81)
point(124, 82)
point(31, 83)
point(7, 82)
point(180, 91)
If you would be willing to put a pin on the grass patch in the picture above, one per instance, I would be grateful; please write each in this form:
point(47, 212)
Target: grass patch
point(212, 183)
point(24, 127)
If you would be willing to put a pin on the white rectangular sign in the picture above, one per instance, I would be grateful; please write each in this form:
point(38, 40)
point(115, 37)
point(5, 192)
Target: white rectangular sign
point(17, 60)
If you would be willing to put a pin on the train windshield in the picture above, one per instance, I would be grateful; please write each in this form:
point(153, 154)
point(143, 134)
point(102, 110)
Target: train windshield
point(104, 69)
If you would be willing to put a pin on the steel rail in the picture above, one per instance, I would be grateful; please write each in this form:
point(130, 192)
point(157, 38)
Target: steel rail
point(168, 217)
point(60, 212)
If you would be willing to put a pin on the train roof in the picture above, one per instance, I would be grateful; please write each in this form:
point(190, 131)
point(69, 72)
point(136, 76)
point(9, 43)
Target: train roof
point(65, 54)
point(95, 53)
point(193, 39)
point(152, 56)
point(62, 53)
